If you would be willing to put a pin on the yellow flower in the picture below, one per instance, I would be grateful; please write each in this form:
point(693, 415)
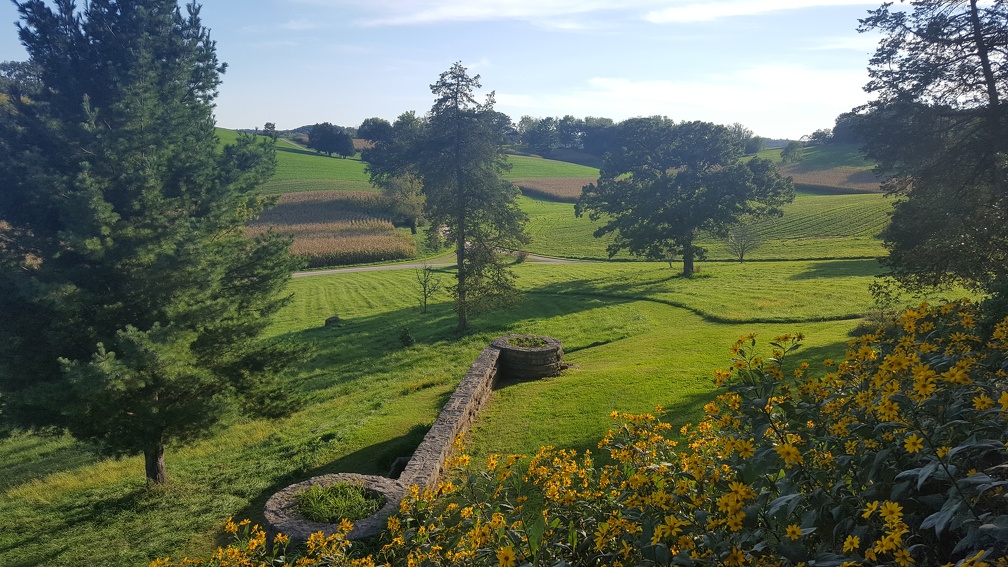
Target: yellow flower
point(736, 558)
point(789, 453)
point(982, 402)
point(891, 512)
point(870, 509)
point(851, 544)
point(1003, 400)
point(794, 532)
point(746, 449)
point(902, 557)
point(506, 556)
point(913, 443)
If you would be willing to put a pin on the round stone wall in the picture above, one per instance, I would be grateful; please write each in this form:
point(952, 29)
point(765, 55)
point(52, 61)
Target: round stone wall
point(283, 516)
point(529, 362)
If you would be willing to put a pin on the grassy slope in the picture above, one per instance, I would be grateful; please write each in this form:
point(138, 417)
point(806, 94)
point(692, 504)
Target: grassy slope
point(366, 400)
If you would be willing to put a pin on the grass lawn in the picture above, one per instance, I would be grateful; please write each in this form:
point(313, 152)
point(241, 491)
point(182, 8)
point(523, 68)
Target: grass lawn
point(529, 167)
point(639, 335)
point(816, 225)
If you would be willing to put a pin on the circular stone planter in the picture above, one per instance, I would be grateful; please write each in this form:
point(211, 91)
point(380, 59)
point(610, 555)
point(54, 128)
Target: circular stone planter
point(530, 362)
point(283, 516)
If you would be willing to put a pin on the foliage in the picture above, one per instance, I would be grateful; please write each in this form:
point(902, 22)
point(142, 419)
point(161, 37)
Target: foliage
point(670, 181)
point(793, 152)
point(329, 139)
point(134, 304)
point(896, 456)
point(457, 152)
point(741, 240)
point(939, 76)
point(428, 283)
point(340, 501)
point(250, 549)
point(526, 341)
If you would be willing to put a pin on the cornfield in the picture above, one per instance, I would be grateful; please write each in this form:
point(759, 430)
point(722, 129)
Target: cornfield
point(566, 190)
point(332, 228)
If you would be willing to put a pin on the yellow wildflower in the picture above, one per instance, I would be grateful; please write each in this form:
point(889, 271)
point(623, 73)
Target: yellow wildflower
point(982, 402)
point(506, 556)
point(913, 443)
point(851, 544)
point(794, 532)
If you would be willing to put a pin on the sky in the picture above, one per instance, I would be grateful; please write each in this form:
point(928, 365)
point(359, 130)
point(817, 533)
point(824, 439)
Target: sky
point(782, 68)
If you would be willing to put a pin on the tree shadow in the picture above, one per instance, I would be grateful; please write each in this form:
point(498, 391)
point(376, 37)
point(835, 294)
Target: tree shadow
point(867, 267)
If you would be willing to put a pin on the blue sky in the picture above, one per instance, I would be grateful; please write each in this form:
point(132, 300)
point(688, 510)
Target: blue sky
point(783, 68)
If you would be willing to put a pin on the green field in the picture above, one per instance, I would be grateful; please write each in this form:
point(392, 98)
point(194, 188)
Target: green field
point(814, 226)
point(527, 167)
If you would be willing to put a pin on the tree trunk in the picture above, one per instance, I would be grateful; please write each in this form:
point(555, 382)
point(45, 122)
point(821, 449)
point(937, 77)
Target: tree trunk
point(687, 261)
point(155, 464)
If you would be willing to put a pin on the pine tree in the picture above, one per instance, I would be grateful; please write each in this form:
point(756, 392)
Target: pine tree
point(134, 304)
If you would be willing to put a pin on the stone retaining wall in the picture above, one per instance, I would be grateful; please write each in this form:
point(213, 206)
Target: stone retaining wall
point(426, 466)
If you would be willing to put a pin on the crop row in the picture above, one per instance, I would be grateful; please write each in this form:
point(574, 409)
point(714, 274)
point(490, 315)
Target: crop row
point(565, 189)
point(332, 228)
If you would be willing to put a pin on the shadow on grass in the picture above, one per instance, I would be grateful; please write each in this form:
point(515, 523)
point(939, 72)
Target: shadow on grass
point(840, 269)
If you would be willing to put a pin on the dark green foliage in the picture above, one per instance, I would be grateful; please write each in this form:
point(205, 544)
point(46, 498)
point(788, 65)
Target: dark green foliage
point(133, 301)
point(938, 128)
point(406, 337)
point(670, 181)
point(329, 139)
point(377, 130)
point(793, 152)
point(457, 152)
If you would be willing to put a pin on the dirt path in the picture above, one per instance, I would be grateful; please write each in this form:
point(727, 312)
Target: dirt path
point(417, 266)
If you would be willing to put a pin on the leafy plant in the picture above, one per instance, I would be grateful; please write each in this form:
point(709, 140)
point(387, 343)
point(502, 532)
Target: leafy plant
point(526, 341)
point(340, 501)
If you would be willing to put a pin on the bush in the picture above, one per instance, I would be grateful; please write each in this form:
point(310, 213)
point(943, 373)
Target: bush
point(894, 456)
point(406, 337)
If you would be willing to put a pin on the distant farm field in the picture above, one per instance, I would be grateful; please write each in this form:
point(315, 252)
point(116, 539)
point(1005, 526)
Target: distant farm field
point(814, 226)
point(332, 228)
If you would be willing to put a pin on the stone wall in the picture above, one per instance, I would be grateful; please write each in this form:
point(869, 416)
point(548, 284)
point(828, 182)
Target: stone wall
point(427, 464)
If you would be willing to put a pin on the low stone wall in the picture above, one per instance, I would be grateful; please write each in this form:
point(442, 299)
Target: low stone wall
point(427, 464)
point(530, 362)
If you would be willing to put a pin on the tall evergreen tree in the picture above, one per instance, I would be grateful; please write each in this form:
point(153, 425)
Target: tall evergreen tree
point(938, 126)
point(457, 152)
point(133, 303)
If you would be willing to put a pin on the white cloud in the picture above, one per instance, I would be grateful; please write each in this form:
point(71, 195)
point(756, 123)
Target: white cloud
point(708, 11)
point(773, 100)
point(300, 25)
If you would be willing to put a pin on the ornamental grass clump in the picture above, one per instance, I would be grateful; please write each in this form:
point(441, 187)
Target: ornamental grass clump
point(340, 501)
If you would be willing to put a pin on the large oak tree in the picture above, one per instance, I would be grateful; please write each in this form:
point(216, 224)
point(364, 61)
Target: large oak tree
point(133, 304)
point(668, 181)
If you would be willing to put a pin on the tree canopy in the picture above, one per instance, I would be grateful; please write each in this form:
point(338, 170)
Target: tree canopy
point(133, 303)
point(330, 139)
point(939, 130)
point(457, 152)
point(669, 181)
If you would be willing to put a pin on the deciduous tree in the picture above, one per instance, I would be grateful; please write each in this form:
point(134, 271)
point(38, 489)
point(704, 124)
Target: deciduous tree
point(133, 303)
point(670, 181)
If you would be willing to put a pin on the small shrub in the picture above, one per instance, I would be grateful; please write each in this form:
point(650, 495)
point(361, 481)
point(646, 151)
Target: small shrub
point(341, 501)
point(406, 337)
point(521, 256)
point(526, 341)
